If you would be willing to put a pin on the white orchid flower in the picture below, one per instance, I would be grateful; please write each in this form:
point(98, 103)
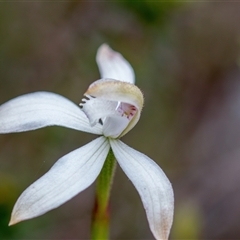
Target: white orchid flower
point(111, 107)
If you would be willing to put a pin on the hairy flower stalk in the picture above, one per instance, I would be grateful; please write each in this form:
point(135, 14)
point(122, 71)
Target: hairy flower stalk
point(100, 219)
point(110, 108)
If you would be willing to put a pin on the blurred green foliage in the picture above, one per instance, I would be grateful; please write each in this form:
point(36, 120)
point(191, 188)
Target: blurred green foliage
point(151, 12)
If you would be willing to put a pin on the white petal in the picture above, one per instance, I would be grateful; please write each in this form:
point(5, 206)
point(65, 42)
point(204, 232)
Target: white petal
point(113, 65)
point(69, 176)
point(152, 185)
point(40, 109)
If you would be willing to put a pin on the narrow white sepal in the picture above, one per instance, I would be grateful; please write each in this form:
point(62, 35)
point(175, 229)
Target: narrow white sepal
point(40, 109)
point(113, 65)
point(70, 175)
point(152, 185)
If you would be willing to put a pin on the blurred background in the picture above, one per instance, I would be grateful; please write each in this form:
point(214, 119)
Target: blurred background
point(186, 60)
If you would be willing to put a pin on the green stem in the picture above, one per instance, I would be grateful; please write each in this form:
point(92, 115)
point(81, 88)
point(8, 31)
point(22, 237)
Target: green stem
point(100, 218)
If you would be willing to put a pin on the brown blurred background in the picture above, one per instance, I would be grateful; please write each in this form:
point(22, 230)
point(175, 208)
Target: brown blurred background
point(186, 59)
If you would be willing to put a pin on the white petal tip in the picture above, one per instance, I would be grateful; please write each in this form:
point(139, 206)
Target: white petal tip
point(11, 223)
point(14, 220)
point(18, 215)
point(104, 51)
point(113, 65)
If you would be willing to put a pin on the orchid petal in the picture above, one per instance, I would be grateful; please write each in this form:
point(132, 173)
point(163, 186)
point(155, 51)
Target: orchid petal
point(113, 65)
point(119, 92)
point(152, 185)
point(40, 109)
point(96, 109)
point(114, 125)
point(70, 175)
